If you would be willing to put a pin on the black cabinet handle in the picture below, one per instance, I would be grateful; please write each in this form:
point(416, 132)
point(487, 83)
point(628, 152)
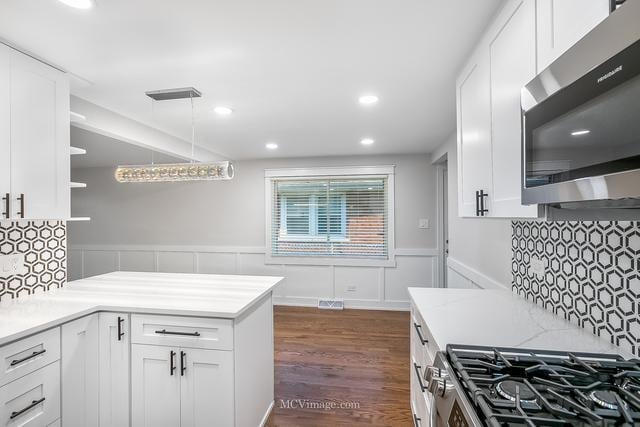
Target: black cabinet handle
point(172, 362)
point(477, 203)
point(183, 363)
point(21, 200)
point(120, 333)
point(7, 205)
point(480, 208)
point(417, 369)
point(186, 334)
point(31, 356)
point(418, 329)
point(416, 421)
point(33, 404)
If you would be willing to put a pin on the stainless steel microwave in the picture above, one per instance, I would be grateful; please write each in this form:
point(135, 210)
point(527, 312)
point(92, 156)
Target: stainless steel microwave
point(581, 120)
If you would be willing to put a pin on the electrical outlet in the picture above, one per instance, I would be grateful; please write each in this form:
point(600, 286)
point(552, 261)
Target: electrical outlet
point(536, 266)
point(423, 223)
point(13, 264)
point(352, 288)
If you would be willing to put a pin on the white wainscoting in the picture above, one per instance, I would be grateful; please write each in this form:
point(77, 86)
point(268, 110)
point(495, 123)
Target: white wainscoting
point(359, 287)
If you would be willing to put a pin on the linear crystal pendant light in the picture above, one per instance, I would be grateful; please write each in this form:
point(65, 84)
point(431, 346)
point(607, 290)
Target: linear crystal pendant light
point(174, 172)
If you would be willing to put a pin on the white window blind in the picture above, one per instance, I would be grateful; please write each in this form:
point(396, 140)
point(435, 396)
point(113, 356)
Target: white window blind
point(330, 217)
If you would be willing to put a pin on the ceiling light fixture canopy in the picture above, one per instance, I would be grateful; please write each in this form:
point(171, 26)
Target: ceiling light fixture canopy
point(78, 4)
point(177, 172)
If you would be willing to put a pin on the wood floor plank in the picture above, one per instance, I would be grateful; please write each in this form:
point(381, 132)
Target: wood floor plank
point(357, 359)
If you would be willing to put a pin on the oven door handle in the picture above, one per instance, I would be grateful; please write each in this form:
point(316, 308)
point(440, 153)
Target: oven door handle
point(416, 367)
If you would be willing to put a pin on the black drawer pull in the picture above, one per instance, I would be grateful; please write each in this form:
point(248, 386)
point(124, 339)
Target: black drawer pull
point(33, 404)
point(120, 333)
point(418, 329)
point(417, 368)
point(31, 356)
point(186, 334)
point(172, 362)
point(416, 421)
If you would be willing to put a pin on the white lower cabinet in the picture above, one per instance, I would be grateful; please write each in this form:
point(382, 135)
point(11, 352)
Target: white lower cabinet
point(184, 387)
point(32, 400)
point(80, 372)
point(114, 341)
point(423, 350)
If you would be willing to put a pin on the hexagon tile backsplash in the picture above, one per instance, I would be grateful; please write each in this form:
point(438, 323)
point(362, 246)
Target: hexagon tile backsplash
point(590, 277)
point(44, 245)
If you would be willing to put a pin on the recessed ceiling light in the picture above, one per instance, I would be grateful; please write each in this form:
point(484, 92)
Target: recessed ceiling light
point(580, 132)
point(368, 99)
point(367, 141)
point(271, 145)
point(222, 111)
point(78, 4)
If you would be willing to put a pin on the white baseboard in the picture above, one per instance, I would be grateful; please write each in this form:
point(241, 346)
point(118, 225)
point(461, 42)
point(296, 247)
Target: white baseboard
point(356, 304)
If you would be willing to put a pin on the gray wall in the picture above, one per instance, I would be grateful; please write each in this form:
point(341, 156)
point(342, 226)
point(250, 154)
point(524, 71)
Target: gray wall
point(479, 245)
point(229, 213)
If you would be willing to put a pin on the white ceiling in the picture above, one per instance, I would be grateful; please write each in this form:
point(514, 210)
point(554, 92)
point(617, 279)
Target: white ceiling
point(103, 151)
point(291, 69)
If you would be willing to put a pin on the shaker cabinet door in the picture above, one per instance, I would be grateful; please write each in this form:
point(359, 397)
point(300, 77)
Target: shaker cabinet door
point(114, 369)
point(513, 64)
point(155, 386)
point(39, 139)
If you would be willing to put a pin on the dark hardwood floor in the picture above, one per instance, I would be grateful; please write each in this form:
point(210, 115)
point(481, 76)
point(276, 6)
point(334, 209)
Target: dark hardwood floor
point(341, 368)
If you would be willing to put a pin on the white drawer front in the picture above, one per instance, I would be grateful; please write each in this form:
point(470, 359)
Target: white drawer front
point(194, 332)
point(424, 346)
point(33, 400)
point(27, 355)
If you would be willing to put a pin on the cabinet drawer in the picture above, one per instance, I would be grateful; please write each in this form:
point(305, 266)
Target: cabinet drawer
point(27, 355)
point(194, 332)
point(33, 400)
point(424, 346)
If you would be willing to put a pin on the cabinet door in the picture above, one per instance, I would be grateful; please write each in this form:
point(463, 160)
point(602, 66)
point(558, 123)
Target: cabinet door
point(513, 64)
point(79, 357)
point(155, 387)
point(561, 23)
point(207, 388)
point(114, 342)
point(5, 128)
point(474, 134)
point(39, 139)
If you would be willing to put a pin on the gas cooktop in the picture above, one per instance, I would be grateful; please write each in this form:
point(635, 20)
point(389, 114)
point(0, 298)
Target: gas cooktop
point(518, 387)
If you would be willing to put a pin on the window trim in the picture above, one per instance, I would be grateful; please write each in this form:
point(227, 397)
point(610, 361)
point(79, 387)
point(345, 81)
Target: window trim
point(387, 171)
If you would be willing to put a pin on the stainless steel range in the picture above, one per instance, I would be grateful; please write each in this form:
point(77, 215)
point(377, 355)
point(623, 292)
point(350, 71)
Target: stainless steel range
point(483, 386)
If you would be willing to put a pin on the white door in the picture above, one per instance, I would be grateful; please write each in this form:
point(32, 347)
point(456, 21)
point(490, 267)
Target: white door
point(561, 23)
point(207, 388)
point(155, 386)
point(5, 131)
point(80, 361)
point(114, 342)
point(513, 64)
point(474, 134)
point(39, 140)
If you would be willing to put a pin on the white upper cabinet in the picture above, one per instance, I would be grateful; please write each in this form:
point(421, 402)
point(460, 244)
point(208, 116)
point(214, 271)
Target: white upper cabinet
point(39, 152)
point(513, 64)
point(5, 131)
point(474, 133)
point(524, 38)
point(561, 23)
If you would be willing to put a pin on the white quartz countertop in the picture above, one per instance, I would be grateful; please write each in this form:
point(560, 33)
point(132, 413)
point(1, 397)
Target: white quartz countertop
point(204, 295)
point(498, 318)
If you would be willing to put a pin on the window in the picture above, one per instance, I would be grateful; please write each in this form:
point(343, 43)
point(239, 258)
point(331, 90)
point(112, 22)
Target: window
point(332, 213)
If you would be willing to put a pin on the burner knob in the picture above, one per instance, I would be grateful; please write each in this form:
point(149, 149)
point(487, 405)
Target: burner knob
point(430, 373)
point(437, 386)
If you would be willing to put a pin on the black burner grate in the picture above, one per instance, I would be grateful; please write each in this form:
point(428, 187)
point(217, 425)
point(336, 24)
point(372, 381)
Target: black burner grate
point(518, 387)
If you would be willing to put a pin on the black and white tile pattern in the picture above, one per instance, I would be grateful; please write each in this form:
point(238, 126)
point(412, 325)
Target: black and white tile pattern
point(591, 275)
point(44, 245)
